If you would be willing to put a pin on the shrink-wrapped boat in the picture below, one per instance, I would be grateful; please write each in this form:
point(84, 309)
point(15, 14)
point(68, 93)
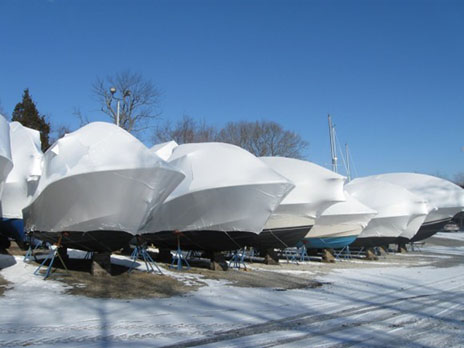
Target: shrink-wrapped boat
point(446, 197)
point(6, 164)
point(223, 203)
point(339, 225)
point(98, 186)
point(316, 189)
point(399, 211)
point(22, 181)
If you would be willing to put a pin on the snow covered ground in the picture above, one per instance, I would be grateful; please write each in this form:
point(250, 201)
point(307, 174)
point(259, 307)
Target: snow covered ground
point(416, 304)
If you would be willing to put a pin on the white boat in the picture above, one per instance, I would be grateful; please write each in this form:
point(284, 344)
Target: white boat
point(224, 202)
point(316, 189)
point(98, 186)
point(6, 163)
point(339, 225)
point(400, 211)
point(22, 181)
point(446, 197)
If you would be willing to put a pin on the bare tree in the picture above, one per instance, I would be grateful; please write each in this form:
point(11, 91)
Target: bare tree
point(263, 138)
point(138, 100)
point(186, 130)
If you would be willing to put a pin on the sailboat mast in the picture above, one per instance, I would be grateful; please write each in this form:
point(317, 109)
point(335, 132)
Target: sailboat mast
point(333, 148)
point(347, 156)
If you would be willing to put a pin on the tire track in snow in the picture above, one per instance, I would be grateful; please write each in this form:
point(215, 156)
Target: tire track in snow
point(312, 321)
point(91, 332)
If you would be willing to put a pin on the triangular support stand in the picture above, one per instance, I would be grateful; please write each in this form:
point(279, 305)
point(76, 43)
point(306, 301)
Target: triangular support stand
point(51, 256)
point(140, 252)
point(360, 251)
point(178, 258)
point(238, 259)
point(297, 254)
point(301, 254)
point(344, 253)
point(30, 250)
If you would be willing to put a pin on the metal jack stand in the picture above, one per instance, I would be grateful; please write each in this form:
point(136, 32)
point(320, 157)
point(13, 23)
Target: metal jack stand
point(178, 257)
point(30, 250)
point(344, 253)
point(238, 259)
point(290, 254)
point(300, 255)
point(141, 252)
point(51, 256)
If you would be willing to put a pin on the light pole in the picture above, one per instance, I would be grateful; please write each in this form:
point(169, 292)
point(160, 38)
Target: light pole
point(126, 93)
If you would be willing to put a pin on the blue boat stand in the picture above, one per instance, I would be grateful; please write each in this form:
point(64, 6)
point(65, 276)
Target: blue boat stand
point(178, 258)
point(30, 250)
point(51, 256)
point(297, 254)
point(344, 253)
point(141, 252)
point(238, 259)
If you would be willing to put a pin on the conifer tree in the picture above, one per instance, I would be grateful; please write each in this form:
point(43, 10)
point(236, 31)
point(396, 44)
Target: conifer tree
point(27, 114)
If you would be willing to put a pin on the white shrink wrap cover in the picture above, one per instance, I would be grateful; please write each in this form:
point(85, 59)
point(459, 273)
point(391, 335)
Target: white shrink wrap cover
point(226, 189)
point(164, 150)
point(341, 220)
point(6, 163)
point(98, 178)
point(316, 189)
point(445, 196)
point(398, 209)
point(22, 181)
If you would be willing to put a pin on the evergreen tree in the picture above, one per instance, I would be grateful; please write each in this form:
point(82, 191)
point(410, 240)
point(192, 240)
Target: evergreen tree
point(27, 114)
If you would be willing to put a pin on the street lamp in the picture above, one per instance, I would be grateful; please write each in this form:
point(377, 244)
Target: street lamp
point(126, 93)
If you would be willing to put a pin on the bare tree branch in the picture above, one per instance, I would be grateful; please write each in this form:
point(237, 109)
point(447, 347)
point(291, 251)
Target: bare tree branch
point(263, 138)
point(83, 119)
point(186, 130)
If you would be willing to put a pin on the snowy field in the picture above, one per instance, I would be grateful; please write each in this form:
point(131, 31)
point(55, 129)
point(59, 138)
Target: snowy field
point(410, 300)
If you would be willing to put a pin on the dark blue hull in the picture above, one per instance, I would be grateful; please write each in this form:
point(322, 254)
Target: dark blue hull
point(12, 228)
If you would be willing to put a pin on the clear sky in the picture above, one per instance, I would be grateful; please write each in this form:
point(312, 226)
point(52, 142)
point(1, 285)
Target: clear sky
point(391, 73)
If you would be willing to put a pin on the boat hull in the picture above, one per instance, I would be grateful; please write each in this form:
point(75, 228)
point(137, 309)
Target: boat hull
point(329, 242)
point(371, 242)
point(200, 240)
point(428, 229)
point(280, 238)
point(277, 238)
point(98, 241)
point(13, 228)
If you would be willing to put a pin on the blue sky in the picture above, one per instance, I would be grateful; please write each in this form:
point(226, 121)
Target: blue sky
point(391, 73)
